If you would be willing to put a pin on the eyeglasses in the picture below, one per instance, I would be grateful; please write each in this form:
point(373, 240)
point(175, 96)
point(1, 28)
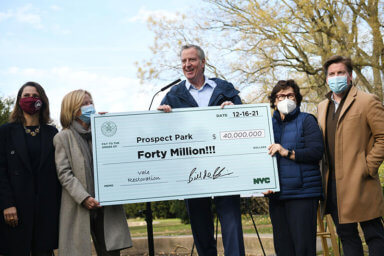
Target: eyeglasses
point(290, 96)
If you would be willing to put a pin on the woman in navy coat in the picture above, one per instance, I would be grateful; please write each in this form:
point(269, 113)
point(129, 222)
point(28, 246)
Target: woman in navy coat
point(29, 188)
point(299, 148)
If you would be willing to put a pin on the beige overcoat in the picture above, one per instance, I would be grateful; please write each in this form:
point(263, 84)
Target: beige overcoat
point(359, 151)
point(75, 231)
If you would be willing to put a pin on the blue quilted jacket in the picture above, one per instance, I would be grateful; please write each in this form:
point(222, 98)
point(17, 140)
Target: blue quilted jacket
point(300, 132)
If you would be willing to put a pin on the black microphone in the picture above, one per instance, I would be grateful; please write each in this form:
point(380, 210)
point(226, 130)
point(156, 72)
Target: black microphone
point(171, 84)
point(163, 89)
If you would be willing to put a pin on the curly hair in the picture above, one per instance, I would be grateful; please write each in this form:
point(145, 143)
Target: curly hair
point(283, 85)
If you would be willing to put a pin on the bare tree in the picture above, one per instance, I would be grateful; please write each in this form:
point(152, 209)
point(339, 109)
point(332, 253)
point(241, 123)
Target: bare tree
point(257, 42)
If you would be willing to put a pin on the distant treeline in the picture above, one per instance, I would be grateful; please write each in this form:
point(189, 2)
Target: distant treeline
point(176, 208)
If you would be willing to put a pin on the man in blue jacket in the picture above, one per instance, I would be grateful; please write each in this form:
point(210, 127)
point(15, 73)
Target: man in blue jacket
point(199, 91)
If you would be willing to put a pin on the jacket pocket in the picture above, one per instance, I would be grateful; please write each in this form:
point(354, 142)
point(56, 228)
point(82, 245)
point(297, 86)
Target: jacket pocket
point(366, 171)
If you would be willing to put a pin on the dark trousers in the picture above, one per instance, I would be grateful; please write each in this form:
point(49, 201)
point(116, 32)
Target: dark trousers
point(352, 246)
point(294, 226)
point(33, 252)
point(97, 233)
point(49, 253)
point(228, 210)
point(16, 244)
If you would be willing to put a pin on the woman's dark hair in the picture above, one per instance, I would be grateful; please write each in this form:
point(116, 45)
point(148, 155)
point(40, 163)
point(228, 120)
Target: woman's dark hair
point(17, 115)
point(283, 85)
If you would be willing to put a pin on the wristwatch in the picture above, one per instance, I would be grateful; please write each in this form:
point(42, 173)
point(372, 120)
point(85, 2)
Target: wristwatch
point(289, 153)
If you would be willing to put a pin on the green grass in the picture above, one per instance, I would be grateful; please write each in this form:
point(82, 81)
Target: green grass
point(174, 227)
point(263, 224)
point(161, 227)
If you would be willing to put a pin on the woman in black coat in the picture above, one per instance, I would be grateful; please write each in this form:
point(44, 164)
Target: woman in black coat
point(29, 188)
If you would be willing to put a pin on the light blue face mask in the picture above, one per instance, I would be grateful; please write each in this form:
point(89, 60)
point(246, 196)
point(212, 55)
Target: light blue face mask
point(338, 84)
point(86, 112)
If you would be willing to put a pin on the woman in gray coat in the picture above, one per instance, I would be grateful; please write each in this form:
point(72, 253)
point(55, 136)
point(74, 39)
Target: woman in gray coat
point(81, 216)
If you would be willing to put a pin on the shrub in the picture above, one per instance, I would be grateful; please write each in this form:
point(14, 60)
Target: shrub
point(256, 205)
point(381, 175)
point(161, 209)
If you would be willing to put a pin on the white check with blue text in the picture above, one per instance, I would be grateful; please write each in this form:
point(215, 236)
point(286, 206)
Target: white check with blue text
point(187, 153)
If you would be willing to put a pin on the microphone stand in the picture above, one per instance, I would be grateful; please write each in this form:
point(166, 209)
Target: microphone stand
point(163, 89)
point(149, 220)
point(148, 211)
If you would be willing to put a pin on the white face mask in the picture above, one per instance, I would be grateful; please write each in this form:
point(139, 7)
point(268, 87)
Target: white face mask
point(286, 106)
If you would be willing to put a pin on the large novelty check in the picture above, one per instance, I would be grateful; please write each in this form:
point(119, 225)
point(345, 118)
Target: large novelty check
point(188, 153)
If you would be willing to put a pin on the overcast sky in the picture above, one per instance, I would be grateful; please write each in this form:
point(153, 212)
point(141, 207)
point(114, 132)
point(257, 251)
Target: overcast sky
point(92, 45)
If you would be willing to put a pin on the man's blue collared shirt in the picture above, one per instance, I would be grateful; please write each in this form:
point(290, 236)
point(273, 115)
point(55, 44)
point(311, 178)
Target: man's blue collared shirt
point(203, 95)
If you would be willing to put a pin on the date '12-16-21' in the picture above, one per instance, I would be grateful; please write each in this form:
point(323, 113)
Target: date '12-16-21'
point(245, 113)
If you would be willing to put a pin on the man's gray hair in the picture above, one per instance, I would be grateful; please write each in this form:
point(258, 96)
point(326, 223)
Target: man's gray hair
point(200, 51)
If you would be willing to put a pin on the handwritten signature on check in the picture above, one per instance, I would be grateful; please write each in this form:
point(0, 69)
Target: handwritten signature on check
point(219, 172)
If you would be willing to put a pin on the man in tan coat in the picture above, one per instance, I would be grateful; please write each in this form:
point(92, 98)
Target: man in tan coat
point(352, 123)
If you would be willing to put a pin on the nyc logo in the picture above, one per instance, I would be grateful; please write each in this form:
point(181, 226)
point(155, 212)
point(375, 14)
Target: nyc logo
point(261, 180)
